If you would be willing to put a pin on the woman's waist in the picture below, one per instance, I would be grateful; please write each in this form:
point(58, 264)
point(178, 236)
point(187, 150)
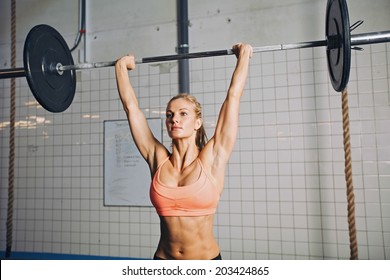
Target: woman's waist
point(187, 238)
point(195, 250)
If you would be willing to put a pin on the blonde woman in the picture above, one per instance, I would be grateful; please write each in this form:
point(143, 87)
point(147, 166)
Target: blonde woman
point(188, 181)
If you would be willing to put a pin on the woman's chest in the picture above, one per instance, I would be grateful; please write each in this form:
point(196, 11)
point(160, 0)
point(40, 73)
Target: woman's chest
point(170, 176)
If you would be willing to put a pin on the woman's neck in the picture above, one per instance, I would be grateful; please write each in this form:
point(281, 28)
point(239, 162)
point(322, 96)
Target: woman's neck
point(183, 154)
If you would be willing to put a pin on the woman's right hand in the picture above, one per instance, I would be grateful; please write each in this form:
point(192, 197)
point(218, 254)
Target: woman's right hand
point(128, 61)
point(242, 49)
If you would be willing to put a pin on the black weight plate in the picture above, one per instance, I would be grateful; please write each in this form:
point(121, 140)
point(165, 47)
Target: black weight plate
point(339, 43)
point(43, 49)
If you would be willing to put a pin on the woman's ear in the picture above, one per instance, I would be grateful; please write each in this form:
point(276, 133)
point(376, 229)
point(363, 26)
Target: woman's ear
point(198, 124)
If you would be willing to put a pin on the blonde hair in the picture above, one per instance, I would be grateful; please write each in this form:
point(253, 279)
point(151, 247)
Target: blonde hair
point(201, 137)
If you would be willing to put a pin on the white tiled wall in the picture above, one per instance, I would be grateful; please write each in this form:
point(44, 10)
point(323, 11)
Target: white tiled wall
point(285, 194)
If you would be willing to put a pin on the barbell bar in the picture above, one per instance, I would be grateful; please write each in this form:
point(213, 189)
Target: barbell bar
point(358, 39)
point(50, 71)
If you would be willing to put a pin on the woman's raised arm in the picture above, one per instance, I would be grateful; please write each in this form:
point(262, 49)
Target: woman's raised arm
point(226, 130)
point(147, 144)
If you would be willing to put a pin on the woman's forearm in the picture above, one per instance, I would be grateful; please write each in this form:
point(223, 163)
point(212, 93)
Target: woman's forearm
point(239, 77)
point(125, 89)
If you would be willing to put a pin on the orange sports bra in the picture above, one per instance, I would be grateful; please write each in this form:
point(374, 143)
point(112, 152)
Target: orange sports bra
point(197, 199)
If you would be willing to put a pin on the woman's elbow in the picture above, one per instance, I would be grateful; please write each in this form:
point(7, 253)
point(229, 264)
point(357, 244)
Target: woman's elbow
point(235, 92)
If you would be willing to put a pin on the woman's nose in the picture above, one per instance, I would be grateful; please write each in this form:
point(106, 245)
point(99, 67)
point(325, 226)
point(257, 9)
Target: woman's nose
point(175, 119)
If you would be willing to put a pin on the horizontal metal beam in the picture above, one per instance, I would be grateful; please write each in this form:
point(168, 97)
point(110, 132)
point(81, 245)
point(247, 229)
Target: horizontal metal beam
point(12, 73)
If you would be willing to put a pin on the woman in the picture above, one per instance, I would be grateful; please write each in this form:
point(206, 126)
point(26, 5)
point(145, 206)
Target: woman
point(188, 181)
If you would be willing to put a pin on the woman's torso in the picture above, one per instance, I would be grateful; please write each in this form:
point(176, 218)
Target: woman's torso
point(185, 236)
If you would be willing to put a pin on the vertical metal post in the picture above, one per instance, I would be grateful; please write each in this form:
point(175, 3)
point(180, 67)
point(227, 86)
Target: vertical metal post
point(84, 24)
point(182, 31)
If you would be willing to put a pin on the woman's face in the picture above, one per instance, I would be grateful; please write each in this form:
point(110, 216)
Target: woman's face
point(181, 119)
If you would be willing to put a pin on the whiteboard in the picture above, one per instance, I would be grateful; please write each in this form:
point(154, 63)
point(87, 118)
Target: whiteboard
point(126, 173)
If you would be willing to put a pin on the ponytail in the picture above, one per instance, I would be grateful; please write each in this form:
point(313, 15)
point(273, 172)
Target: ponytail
point(201, 137)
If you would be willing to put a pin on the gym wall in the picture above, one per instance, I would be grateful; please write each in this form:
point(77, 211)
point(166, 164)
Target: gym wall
point(285, 194)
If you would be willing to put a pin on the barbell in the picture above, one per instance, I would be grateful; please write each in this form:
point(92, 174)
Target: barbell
point(50, 70)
